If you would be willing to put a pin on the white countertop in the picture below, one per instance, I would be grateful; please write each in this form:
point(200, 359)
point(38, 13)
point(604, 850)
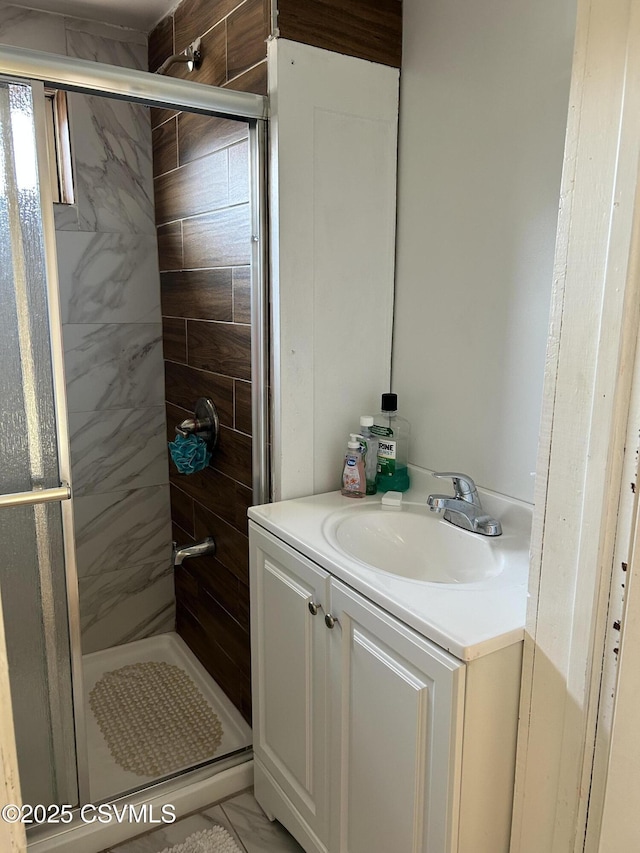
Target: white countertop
point(468, 620)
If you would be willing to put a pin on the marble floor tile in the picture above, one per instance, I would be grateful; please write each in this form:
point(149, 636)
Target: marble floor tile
point(118, 449)
point(256, 832)
point(114, 176)
point(116, 607)
point(175, 833)
point(118, 530)
point(28, 28)
point(113, 366)
point(91, 45)
point(108, 278)
point(241, 816)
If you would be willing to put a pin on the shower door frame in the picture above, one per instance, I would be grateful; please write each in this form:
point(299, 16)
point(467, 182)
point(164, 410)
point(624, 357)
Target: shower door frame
point(92, 78)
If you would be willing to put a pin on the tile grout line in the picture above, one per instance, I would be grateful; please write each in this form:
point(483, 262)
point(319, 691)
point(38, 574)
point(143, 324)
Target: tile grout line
point(235, 829)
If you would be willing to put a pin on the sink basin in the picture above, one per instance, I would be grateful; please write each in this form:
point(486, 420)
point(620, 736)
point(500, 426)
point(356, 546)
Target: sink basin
point(415, 544)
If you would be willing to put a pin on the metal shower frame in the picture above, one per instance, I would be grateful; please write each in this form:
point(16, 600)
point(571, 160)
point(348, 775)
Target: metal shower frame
point(93, 78)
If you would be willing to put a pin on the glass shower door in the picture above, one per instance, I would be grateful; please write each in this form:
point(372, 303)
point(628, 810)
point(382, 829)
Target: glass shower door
point(33, 584)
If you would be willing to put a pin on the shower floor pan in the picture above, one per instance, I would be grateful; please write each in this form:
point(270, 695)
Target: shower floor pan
point(169, 656)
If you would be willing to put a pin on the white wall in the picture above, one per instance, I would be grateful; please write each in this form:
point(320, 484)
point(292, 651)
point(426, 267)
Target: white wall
point(333, 186)
point(484, 94)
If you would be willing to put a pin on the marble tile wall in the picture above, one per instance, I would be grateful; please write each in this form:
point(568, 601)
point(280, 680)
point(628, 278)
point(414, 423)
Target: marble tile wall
point(110, 300)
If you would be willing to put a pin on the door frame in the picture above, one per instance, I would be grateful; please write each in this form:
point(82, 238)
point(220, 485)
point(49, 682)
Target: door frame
point(586, 473)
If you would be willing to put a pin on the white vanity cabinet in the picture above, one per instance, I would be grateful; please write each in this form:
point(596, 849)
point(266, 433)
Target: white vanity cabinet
point(369, 738)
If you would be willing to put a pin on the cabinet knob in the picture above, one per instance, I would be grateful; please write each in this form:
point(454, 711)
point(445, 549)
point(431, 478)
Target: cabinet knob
point(330, 620)
point(313, 608)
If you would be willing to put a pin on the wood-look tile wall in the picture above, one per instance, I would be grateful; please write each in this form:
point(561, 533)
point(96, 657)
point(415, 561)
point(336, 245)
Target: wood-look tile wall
point(367, 29)
point(234, 48)
point(202, 214)
point(201, 170)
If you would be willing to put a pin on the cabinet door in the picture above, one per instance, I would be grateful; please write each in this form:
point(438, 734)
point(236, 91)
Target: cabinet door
point(396, 734)
point(289, 652)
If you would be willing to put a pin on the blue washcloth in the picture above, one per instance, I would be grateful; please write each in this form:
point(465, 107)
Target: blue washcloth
point(189, 453)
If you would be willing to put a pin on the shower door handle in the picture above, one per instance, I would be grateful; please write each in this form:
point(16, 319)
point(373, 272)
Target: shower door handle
point(37, 496)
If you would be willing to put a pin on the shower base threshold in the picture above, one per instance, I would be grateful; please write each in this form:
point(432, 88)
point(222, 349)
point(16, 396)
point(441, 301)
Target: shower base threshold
point(107, 779)
point(192, 792)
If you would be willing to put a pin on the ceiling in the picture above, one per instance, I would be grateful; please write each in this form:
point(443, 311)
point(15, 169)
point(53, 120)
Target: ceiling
point(138, 14)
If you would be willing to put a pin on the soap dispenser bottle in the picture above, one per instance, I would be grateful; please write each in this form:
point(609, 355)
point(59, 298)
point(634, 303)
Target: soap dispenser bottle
point(392, 432)
point(354, 484)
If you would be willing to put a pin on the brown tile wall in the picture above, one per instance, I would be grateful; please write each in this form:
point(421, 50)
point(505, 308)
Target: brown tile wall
point(368, 29)
point(202, 214)
point(233, 46)
point(201, 172)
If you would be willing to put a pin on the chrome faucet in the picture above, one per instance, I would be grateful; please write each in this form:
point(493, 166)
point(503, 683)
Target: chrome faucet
point(464, 508)
point(199, 549)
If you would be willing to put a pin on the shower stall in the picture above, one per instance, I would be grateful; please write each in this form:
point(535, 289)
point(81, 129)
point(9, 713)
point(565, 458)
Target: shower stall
point(116, 692)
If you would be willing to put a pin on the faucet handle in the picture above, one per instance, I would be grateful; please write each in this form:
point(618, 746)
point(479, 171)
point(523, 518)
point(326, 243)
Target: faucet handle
point(463, 485)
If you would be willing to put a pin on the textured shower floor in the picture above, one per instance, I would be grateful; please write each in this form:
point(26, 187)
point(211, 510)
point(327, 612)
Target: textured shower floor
point(107, 778)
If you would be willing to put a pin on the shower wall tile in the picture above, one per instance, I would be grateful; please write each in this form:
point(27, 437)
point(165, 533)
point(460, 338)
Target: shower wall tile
point(253, 80)
point(118, 449)
point(112, 366)
point(182, 511)
point(201, 294)
point(247, 32)
point(213, 71)
point(174, 339)
point(221, 347)
point(165, 147)
point(66, 217)
point(108, 278)
point(243, 418)
point(213, 577)
point(197, 187)
point(228, 499)
point(234, 35)
point(127, 54)
point(123, 529)
point(232, 548)
point(159, 115)
point(227, 673)
point(204, 240)
point(229, 634)
point(170, 246)
point(114, 173)
point(161, 43)
point(35, 30)
point(241, 295)
point(195, 17)
point(199, 135)
point(233, 455)
point(105, 31)
point(219, 239)
point(184, 384)
point(121, 606)
point(239, 173)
